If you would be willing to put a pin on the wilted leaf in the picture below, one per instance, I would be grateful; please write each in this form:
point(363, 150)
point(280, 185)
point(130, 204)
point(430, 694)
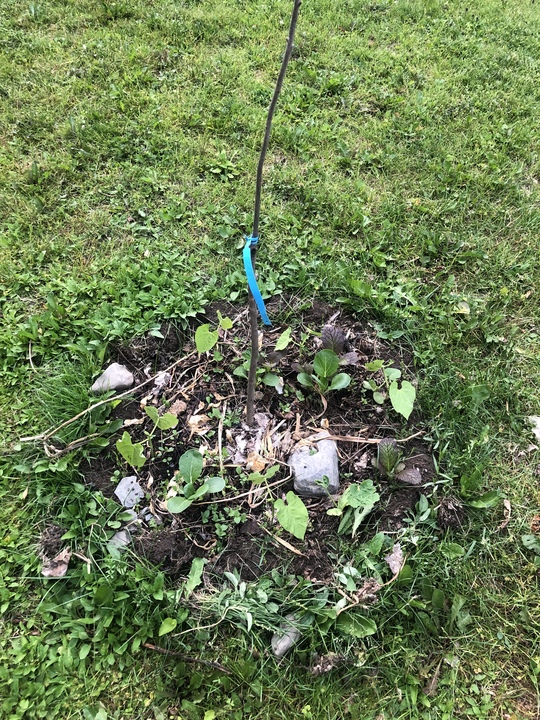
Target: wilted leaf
point(178, 407)
point(293, 517)
point(402, 399)
point(57, 567)
point(198, 424)
point(395, 559)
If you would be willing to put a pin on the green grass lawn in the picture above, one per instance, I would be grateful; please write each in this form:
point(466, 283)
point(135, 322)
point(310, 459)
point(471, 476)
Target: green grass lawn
point(402, 179)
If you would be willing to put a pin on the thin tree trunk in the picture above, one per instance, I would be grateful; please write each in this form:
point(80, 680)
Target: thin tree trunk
point(253, 313)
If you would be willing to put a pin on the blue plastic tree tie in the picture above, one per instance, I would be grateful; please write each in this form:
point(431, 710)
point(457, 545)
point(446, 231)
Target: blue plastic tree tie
point(252, 281)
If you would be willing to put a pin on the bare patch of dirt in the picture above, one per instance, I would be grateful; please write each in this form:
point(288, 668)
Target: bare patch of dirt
point(208, 397)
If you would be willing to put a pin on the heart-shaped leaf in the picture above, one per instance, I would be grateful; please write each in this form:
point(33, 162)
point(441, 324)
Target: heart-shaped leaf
point(205, 339)
point(402, 399)
point(167, 421)
point(293, 517)
point(132, 453)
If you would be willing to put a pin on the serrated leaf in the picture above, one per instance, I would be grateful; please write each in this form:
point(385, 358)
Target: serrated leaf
point(352, 623)
point(402, 398)
point(293, 517)
point(489, 499)
point(205, 339)
point(132, 453)
point(195, 575)
point(167, 626)
point(283, 340)
point(167, 421)
point(190, 465)
point(326, 363)
point(363, 495)
point(340, 381)
point(178, 504)
point(215, 484)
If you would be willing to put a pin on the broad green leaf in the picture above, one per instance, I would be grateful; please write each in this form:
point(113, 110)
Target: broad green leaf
point(471, 483)
point(132, 453)
point(489, 499)
point(352, 623)
point(375, 545)
point(363, 495)
point(284, 339)
point(205, 339)
point(215, 484)
point(531, 542)
point(437, 599)
point(271, 379)
point(402, 399)
point(224, 322)
point(340, 381)
point(305, 379)
point(167, 626)
point(103, 595)
point(334, 511)
point(84, 650)
point(167, 421)
point(326, 363)
point(152, 413)
point(241, 371)
point(190, 465)
point(392, 374)
point(195, 575)
point(178, 504)
point(199, 492)
point(293, 517)
point(378, 397)
point(451, 550)
point(374, 365)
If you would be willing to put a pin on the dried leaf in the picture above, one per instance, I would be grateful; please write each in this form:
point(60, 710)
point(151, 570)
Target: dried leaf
point(255, 462)
point(198, 424)
point(350, 358)
point(178, 407)
point(57, 567)
point(133, 421)
point(507, 514)
point(395, 559)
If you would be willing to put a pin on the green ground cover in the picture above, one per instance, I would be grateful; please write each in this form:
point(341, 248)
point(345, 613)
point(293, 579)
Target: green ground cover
point(402, 179)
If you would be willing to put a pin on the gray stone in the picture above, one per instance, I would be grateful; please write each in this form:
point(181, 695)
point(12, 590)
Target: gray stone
point(129, 492)
point(287, 636)
point(411, 476)
point(149, 518)
point(311, 463)
point(115, 377)
point(119, 540)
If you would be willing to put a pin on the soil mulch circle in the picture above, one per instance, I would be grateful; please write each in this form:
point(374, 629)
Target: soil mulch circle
point(235, 530)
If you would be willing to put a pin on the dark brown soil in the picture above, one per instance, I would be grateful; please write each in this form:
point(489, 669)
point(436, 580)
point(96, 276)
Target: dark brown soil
point(50, 542)
point(207, 388)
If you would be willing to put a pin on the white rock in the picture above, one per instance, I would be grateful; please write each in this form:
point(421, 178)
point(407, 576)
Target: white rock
point(115, 377)
point(119, 540)
point(287, 636)
point(311, 463)
point(129, 492)
point(535, 422)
